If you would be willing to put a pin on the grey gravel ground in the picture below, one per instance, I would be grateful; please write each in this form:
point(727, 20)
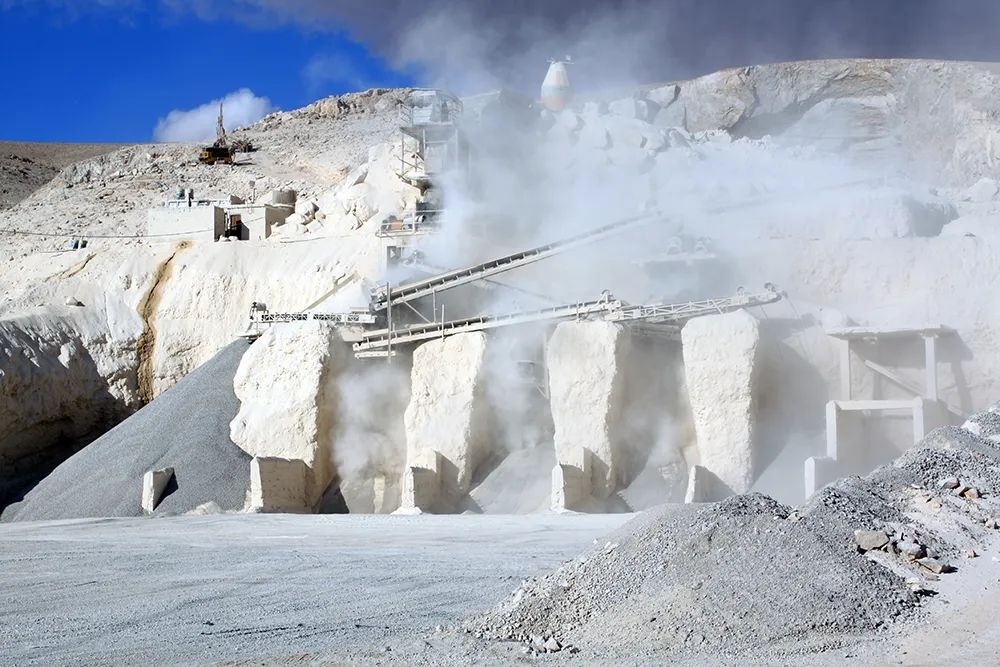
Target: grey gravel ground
point(751, 578)
point(186, 428)
point(265, 588)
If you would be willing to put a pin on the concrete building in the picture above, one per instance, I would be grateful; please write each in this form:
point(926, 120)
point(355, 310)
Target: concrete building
point(196, 223)
point(185, 218)
point(254, 221)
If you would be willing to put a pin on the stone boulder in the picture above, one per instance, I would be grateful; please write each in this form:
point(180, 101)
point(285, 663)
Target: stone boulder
point(449, 413)
point(984, 190)
point(718, 101)
point(720, 366)
point(286, 383)
point(587, 395)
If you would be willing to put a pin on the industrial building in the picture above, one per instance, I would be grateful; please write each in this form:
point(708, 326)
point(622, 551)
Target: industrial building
point(184, 218)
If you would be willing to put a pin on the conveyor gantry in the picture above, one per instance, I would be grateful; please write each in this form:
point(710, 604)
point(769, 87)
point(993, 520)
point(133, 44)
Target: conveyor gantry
point(384, 339)
point(380, 343)
point(678, 312)
point(383, 296)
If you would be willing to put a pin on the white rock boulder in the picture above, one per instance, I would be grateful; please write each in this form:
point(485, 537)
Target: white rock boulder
point(449, 412)
point(720, 366)
point(286, 383)
point(587, 394)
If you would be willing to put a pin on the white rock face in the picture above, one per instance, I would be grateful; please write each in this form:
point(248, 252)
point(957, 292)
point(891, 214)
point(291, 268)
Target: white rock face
point(717, 101)
point(206, 299)
point(985, 190)
point(448, 411)
point(66, 374)
point(720, 365)
point(586, 391)
point(287, 385)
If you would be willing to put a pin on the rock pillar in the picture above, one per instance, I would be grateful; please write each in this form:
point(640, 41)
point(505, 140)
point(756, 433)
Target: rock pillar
point(720, 366)
point(286, 383)
point(447, 421)
point(585, 361)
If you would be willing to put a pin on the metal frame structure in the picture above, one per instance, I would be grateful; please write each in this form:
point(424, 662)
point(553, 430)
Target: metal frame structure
point(451, 279)
point(607, 308)
point(429, 118)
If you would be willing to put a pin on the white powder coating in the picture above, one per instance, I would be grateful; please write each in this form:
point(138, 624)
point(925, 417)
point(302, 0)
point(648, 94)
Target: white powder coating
point(287, 385)
point(448, 410)
point(720, 364)
point(585, 362)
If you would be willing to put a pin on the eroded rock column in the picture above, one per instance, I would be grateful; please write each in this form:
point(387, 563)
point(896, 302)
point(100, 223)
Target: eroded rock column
point(447, 422)
point(586, 362)
point(286, 383)
point(720, 366)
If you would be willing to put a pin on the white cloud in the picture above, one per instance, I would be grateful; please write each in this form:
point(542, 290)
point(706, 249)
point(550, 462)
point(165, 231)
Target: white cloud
point(241, 108)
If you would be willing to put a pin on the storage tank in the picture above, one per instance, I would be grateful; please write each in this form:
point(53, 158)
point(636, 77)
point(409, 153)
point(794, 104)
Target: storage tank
point(556, 89)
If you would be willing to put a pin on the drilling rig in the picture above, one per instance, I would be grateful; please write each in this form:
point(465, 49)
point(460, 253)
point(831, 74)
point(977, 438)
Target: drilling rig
point(220, 151)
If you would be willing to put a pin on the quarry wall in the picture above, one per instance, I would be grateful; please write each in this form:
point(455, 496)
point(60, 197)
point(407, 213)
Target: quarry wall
point(860, 187)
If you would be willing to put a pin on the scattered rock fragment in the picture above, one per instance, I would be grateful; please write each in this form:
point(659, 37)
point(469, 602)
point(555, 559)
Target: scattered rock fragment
point(949, 483)
point(911, 550)
point(869, 540)
point(932, 564)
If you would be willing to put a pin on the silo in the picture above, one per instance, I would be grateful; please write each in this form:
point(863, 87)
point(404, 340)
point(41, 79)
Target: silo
point(556, 89)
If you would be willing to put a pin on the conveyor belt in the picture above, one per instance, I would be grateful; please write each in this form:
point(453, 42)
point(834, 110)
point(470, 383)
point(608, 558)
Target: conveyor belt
point(382, 296)
point(607, 309)
point(384, 338)
point(678, 312)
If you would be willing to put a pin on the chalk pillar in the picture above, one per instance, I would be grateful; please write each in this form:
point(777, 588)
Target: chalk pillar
point(386, 493)
point(720, 368)
point(153, 484)
point(585, 362)
point(571, 484)
point(278, 485)
point(705, 487)
point(421, 489)
point(448, 416)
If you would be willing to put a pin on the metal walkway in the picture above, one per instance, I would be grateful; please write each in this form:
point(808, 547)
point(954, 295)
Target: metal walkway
point(380, 343)
point(383, 297)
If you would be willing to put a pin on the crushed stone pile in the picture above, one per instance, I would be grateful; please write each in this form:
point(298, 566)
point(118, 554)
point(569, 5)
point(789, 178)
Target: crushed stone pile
point(186, 428)
point(749, 576)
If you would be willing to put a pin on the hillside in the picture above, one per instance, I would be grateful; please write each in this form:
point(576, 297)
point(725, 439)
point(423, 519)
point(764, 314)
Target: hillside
point(27, 166)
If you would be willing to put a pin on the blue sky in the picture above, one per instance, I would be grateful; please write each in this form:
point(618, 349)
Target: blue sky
point(108, 70)
point(108, 74)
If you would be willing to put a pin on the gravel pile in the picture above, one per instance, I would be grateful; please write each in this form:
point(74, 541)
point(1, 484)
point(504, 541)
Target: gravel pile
point(749, 576)
point(186, 428)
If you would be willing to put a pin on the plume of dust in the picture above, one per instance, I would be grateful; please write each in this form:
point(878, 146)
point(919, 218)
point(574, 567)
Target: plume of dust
point(368, 433)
